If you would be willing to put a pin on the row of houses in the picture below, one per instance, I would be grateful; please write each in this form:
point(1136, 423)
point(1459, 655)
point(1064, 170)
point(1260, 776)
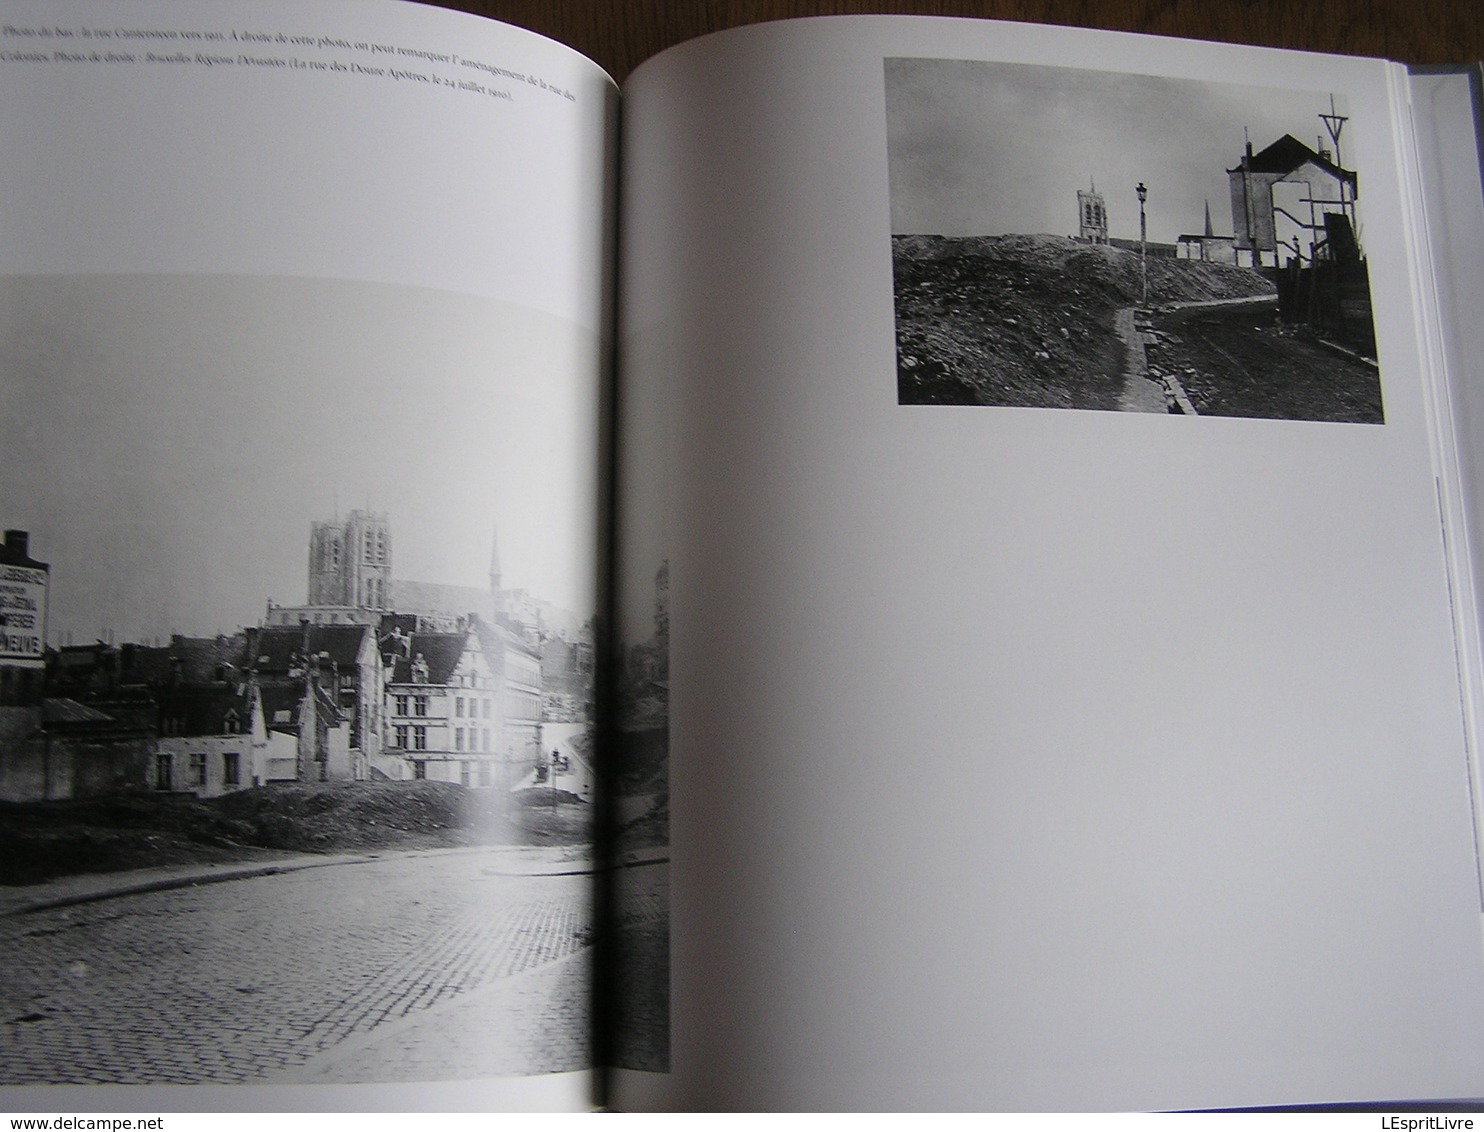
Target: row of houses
point(399, 697)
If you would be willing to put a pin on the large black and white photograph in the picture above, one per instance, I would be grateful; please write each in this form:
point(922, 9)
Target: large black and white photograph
point(1079, 239)
point(297, 678)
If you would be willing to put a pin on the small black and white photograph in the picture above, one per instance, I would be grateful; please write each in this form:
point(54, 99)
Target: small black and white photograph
point(298, 621)
point(1080, 239)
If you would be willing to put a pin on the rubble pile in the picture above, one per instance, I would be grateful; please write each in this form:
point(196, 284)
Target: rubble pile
point(1029, 320)
point(43, 840)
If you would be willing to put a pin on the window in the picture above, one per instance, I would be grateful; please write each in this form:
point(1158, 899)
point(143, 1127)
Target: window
point(420, 738)
point(486, 738)
point(399, 737)
point(466, 773)
point(231, 725)
point(458, 739)
point(420, 705)
point(484, 774)
point(198, 770)
point(487, 709)
point(458, 708)
point(162, 772)
point(231, 768)
point(419, 769)
point(402, 704)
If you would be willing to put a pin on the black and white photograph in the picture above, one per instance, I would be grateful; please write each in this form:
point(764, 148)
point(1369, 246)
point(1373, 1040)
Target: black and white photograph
point(297, 679)
point(1080, 239)
point(641, 880)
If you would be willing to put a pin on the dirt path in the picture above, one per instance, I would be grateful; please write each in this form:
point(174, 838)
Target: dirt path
point(1141, 393)
point(1239, 360)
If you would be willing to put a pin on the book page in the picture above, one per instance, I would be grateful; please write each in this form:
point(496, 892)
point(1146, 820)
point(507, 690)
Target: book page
point(1446, 109)
point(1064, 705)
point(303, 311)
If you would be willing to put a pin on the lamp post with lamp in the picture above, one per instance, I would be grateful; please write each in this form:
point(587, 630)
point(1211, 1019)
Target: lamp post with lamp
point(1143, 244)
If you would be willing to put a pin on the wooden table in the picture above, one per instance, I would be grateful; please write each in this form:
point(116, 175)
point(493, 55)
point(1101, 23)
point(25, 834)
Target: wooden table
point(620, 34)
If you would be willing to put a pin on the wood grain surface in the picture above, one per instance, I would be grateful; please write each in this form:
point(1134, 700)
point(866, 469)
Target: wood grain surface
point(621, 34)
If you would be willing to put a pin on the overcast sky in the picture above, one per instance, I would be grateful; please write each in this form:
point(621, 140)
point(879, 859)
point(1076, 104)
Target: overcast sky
point(989, 148)
point(167, 440)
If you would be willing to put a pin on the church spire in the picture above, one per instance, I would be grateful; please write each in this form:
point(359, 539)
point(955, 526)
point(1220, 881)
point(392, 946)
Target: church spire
point(495, 578)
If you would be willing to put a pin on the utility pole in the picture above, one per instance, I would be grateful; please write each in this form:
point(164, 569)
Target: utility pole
point(1334, 123)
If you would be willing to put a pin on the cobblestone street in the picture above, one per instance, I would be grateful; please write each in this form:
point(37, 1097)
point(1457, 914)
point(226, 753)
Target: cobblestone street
point(642, 962)
point(305, 976)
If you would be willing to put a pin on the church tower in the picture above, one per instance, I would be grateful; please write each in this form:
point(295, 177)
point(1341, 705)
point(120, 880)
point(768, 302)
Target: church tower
point(350, 562)
point(1092, 215)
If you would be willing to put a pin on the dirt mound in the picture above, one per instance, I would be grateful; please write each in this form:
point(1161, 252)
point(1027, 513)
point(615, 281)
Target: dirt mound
point(350, 815)
point(43, 840)
point(1028, 320)
point(39, 841)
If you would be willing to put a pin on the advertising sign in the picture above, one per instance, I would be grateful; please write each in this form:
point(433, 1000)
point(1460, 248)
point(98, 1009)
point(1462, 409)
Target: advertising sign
point(22, 613)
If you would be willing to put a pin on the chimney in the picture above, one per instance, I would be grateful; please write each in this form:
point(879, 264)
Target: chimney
point(18, 542)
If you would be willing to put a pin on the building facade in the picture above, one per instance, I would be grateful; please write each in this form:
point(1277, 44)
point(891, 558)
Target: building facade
point(443, 710)
point(213, 740)
point(1279, 200)
point(326, 687)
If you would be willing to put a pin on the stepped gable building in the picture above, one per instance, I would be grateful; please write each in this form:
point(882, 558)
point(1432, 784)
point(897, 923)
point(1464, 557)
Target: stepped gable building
point(1280, 197)
point(443, 710)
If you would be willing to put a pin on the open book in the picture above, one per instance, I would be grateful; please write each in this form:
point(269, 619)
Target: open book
point(936, 566)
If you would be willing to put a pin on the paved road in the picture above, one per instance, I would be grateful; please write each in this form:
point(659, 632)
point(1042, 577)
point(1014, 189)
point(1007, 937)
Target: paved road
point(642, 961)
point(298, 976)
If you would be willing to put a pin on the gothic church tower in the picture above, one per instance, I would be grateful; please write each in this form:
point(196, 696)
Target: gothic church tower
point(350, 562)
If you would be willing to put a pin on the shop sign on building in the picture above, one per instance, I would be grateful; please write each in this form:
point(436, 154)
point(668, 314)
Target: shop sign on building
point(22, 613)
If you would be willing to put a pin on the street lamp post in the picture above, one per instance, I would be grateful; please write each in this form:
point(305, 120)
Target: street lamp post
point(1143, 243)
